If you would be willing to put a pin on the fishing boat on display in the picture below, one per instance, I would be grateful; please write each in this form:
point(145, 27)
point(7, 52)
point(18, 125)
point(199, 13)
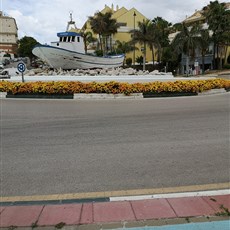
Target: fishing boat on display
point(68, 53)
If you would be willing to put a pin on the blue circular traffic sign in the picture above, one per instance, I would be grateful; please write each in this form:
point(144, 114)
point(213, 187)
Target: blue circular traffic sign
point(21, 67)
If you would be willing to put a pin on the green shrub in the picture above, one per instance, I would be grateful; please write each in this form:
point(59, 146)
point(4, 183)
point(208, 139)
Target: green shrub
point(227, 66)
point(140, 60)
point(128, 61)
point(99, 53)
point(228, 59)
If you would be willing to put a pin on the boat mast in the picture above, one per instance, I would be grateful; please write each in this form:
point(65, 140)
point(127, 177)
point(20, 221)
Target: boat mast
point(71, 22)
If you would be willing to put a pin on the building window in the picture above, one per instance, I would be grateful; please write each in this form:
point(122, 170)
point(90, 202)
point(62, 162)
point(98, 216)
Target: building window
point(121, 24)
point(78, 39)
point(73, 38)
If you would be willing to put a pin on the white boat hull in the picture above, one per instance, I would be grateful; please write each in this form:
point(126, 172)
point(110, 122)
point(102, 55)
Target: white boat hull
point(66, 59)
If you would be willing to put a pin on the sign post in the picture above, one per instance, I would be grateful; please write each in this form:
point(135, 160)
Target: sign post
point(21, 68)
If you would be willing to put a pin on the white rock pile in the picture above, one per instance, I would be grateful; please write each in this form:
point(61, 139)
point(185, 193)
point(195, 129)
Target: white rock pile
point(93, 72)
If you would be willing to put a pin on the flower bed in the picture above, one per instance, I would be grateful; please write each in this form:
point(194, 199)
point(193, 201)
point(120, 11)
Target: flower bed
point(62, 88)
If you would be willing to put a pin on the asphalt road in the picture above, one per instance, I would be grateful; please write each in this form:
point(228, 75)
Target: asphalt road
point(70, 146)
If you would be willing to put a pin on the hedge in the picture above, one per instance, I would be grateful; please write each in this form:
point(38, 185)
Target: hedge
point(61, 87)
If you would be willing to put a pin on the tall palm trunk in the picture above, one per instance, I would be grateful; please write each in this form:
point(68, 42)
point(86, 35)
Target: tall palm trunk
point(214, 55)
point(217, 52)
point(203, 56)
point(221, 55)
point(187, 65)
point(111, 44)
point(101, 43)
point(187, 60)
point(152, 49)
point(85, 46)
point(144, 58)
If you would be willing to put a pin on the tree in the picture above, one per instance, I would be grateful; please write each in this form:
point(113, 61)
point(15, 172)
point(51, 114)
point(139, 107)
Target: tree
point(203, 44)
point(87, 38)
point(26, 45)
point(171, 59)
point(111, 28)
point(186, 41)
point(98, 25)
point(153, 40)
point(218, 19)
point(176, 27)
point(124, 47)
point(140, 60)
point(104, 25)
point(161, 34)
point(144, 35)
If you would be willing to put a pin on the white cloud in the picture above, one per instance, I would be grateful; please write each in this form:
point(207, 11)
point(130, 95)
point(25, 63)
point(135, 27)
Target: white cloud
point(29, 25)
point(43, 19)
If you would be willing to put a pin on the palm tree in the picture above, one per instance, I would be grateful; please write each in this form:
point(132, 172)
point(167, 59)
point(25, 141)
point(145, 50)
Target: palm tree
point(218, 18)
point(161, 34)
point(111, 28)
point(144, 36)
point(203, 44)
point(186, 41)
point(176, 27)
point(124, 47)
point(153, 40)
point(103, 25)
point(87, 38)
point(98, 25)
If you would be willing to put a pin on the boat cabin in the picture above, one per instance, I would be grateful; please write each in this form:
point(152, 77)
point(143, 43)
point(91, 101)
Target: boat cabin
point(71, 41)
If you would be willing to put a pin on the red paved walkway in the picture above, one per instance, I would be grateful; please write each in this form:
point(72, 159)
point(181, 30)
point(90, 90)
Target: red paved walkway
point(107, 212)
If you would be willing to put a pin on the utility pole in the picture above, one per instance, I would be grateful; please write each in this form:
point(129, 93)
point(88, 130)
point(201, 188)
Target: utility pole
point(134, 22)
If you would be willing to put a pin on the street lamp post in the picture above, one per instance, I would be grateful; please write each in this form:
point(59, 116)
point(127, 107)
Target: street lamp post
point(134, 16)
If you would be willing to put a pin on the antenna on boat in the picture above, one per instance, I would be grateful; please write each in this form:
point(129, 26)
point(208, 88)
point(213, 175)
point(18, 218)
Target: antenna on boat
point(71, 22)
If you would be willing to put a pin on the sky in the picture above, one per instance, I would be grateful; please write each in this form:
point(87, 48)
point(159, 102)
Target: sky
point(42, 19)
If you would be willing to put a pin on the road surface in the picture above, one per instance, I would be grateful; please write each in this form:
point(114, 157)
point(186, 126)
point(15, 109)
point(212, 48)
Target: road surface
point(71, 146)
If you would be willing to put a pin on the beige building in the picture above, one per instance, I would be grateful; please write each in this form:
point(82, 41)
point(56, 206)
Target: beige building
point(127, 21)
point(8, 35)
point(198, 17)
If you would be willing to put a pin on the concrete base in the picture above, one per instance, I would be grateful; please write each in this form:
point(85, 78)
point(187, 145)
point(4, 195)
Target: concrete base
point(3, 94)
point(101, 78)
point(103, 96)
point(213, 91)
point(107, 96)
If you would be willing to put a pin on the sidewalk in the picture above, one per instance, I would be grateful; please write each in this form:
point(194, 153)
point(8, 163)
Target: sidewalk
point(116, 214)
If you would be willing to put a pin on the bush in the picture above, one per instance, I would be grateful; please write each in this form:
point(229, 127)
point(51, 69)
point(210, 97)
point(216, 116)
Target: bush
point(128, 61)
point(140, 60)
point(113, 87)
point(228, 59)
point(99, 53)
point(227, 66)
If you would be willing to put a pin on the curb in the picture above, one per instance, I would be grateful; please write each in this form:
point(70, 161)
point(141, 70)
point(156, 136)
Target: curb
point(63, 201)
point(213, 91)
point(103, 96)
point(79, 96)
point(3, 94)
